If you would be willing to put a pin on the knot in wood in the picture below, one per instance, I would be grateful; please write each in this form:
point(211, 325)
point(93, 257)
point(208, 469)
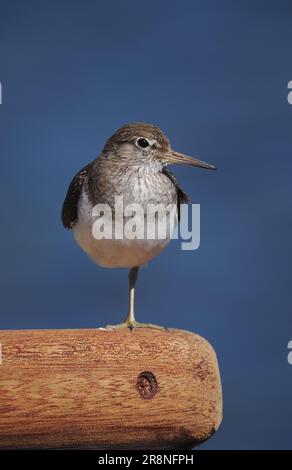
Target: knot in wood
point(147, 385)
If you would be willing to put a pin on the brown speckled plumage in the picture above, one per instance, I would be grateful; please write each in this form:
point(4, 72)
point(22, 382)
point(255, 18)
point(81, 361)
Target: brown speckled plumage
point(70, 206)
point(128, 132)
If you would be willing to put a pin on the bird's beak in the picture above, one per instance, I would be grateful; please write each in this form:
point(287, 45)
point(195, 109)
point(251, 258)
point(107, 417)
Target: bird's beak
point(179, 158)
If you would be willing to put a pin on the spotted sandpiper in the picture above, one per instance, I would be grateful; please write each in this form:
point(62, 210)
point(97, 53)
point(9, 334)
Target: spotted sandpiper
point(133, 165)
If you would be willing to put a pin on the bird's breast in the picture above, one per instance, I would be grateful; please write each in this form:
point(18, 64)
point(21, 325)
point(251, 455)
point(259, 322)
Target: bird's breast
point(136, 237)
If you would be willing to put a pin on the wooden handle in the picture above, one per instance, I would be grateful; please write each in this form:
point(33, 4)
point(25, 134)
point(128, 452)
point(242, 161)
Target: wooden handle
point(93, 388)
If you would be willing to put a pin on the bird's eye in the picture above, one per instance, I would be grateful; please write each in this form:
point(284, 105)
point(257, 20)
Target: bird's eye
point(143, 143)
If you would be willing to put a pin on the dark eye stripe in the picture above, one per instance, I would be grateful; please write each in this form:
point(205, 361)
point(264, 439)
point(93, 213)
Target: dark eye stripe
point(143, 143)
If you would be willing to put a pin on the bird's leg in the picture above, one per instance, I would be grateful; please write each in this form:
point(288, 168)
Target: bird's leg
point(133, 275)
point(130, 321)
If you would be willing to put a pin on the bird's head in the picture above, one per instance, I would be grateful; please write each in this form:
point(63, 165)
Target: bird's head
point(145, 144)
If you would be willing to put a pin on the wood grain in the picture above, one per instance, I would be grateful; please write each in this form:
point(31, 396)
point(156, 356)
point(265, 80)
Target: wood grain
point(86, 389)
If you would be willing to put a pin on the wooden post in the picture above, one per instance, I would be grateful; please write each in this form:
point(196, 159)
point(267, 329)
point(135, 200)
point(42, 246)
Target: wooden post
point(93, 388)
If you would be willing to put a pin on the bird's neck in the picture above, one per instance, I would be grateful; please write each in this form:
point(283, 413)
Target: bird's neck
point(113, 176)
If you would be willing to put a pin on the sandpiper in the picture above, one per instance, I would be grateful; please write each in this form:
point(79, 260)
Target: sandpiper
point(133, 165)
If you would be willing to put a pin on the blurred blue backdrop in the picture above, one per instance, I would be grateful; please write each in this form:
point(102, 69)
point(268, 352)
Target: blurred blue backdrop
point(213, 75)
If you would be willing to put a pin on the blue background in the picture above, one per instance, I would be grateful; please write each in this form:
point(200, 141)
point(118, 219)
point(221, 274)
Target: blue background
point(213, 75)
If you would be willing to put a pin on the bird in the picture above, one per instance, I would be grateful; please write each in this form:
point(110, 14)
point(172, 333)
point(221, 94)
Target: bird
point(133, 166)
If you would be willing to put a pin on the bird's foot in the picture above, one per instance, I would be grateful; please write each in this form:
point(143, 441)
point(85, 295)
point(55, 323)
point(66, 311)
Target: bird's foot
point(132, 325)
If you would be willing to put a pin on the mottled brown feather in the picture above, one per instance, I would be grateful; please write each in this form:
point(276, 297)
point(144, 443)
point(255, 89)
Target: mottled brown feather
point(129, 132)
point(70, 205)
point(182, 196)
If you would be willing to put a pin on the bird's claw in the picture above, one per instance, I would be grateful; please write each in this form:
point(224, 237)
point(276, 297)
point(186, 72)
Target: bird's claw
point(132, 325)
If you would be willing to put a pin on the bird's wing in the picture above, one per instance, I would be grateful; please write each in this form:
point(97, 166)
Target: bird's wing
point(70, 205)
point(182, 197)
